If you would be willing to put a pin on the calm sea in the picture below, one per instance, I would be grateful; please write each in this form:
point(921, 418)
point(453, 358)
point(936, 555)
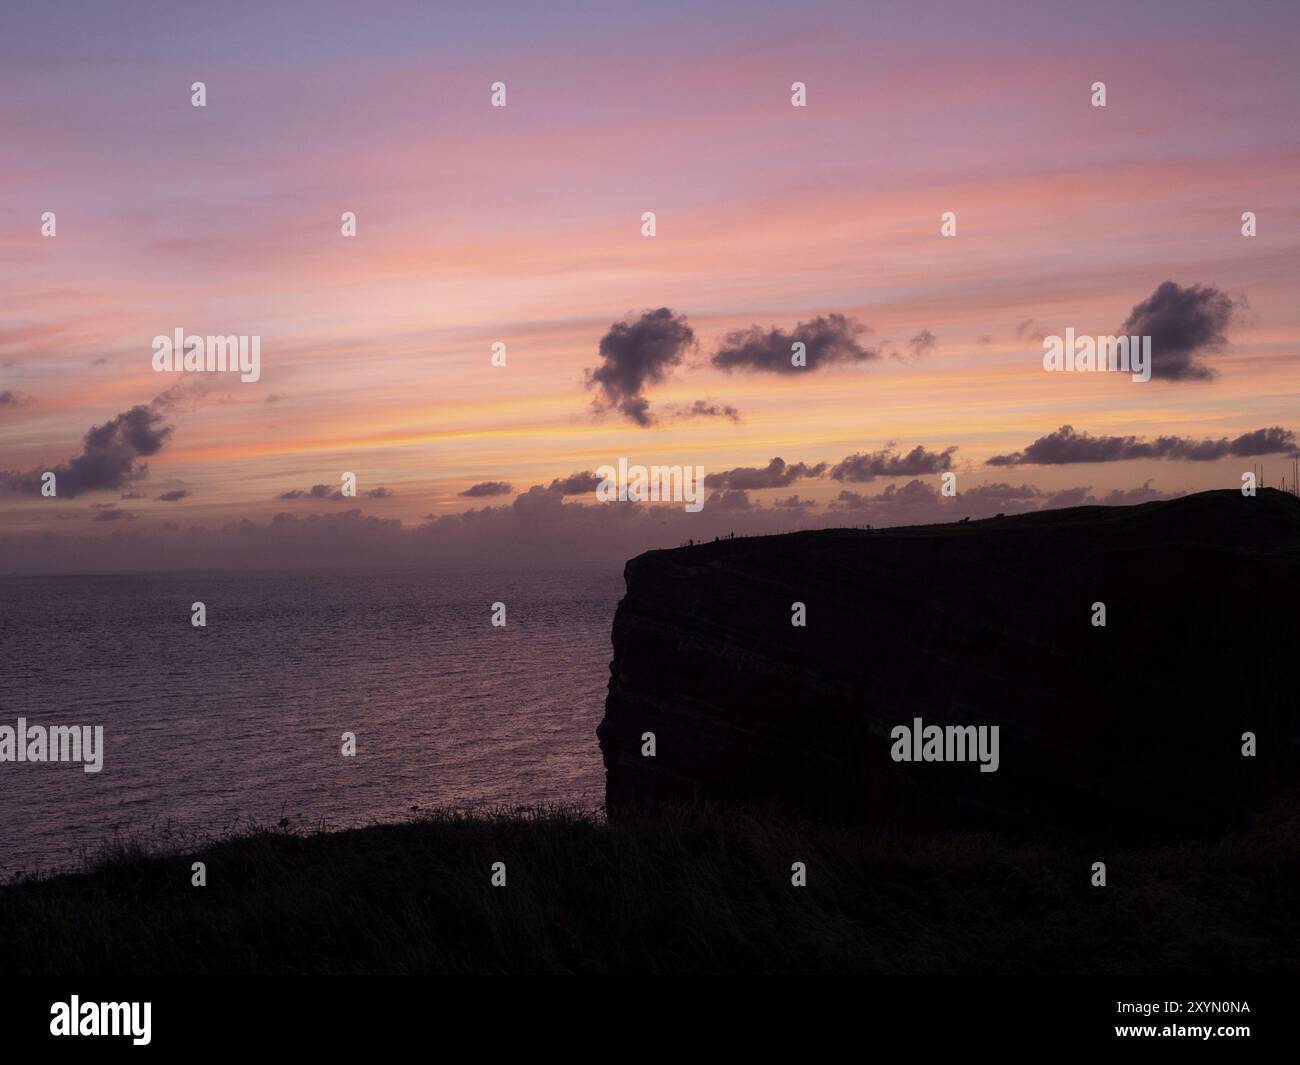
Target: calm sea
point(206, 729)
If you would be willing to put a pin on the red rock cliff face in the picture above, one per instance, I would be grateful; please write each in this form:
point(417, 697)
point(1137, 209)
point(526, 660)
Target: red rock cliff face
point(1132, 730)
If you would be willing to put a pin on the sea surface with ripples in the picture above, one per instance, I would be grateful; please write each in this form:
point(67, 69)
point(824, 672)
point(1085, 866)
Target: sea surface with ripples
point(209, 729)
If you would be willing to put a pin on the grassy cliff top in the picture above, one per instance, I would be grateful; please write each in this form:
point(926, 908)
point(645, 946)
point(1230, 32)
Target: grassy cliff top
point(683, 891)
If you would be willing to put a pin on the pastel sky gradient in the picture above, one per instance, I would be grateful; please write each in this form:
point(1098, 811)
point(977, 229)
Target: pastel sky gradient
point(478, 224)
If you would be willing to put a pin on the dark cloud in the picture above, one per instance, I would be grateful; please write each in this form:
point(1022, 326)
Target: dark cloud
point(794, 503)
point(1122, 497)
point(830, 339)
point(12, 398)
point(575, 484)
point(110, 452)
point(274, 397)
point(731, 499)
point(114, 515)
point(913, 494)
point(889, 463)
point(923, 343)
point(538, 504)
point(174, 495)
point(1000, 493)
point(487, 488)
point(636, 354)
point(848, 500)
point(1070, 497)
point(1067, 446)
point(183, 396)
point(776, 474)
point(1030, 330)
point(1184, 324)
point(538, 527)
point(334, 495)
point(316, 491)
point(1268, 441)
point(919, 502)
point(706, 409)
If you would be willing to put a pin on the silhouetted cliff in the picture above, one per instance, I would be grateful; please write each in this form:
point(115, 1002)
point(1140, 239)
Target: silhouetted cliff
point(1131, 729)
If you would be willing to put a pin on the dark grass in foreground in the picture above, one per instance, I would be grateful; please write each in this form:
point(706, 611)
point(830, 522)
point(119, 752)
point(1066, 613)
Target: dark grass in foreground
point(690, 890)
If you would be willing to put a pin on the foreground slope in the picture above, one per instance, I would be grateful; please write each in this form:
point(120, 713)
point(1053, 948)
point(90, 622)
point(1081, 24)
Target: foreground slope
point(680, 891)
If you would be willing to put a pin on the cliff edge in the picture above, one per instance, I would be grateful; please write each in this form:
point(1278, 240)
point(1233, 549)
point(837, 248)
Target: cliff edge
point(1131, 729)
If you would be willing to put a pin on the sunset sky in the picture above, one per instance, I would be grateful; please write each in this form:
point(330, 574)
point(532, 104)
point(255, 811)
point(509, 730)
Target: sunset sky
point(522, 224)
